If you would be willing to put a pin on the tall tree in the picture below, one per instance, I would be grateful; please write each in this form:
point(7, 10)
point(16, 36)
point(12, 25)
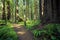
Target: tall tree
point(3, 13)
point(16, 9)
point(35, 9)
point(24, 3)
point(31, 9)
point(8, 9)
point(27, 9)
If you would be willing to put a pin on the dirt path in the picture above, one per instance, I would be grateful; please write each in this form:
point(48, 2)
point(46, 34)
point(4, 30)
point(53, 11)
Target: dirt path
point(22, 33)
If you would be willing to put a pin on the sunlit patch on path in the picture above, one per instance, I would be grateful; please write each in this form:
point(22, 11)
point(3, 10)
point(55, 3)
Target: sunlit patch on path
point(22, 32)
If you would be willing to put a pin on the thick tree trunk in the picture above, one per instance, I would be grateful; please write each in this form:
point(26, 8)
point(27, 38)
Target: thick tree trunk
point(16, 10)
point(54, 11)
point(58, 11)
point(46, 11)
point(51, 13)
point(41, 2)
point(8, 9)
point(35, 10)
point(3, 13)
point(27, 9)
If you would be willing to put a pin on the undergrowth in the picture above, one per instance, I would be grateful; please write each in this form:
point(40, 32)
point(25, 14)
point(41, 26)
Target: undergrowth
point(7, 32)
point(50, 32)
point(31, 24)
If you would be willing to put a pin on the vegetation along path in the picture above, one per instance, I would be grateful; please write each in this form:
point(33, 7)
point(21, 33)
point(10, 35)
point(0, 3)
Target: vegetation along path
point(22, 32)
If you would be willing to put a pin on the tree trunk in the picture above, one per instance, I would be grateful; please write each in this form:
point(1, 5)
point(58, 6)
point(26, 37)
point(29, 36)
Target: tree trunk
point(16, 10)
point(35, 9)
point(8, 9)
point(46, 14)
point(3, 13)
point(27, 9)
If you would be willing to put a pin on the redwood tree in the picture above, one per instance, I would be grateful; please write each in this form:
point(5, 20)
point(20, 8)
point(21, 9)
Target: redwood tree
point(8, 9)
point(3, 13)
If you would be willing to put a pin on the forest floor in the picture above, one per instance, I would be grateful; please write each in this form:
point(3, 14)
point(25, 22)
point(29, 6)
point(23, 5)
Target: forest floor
point(22, 32)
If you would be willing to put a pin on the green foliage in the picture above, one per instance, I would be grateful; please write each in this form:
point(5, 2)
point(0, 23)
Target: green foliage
point(29, 8)
point(50, 32)
point(2, 21)
point(21, 23)
point(31, 24)
point(7, 33)
point(53, 38)
point(37, 32)
point(58, 27)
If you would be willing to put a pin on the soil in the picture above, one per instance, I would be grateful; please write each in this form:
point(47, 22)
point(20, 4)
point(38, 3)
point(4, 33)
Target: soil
point(22, 32)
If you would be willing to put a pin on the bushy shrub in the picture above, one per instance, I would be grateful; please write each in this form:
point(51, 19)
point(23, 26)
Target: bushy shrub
point(50, 32)
point(7, 33)
point(31, 24)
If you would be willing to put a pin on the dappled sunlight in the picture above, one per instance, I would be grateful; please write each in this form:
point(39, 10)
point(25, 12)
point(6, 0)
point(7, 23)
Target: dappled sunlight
point(21, 33)
point(42, 7)
point(16, 25)
point(42, 13)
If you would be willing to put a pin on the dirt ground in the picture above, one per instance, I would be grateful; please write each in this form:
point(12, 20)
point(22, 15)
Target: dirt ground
point(22, 32)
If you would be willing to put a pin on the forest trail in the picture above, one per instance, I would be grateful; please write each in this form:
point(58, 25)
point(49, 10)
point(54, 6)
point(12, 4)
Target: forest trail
point(22, 32)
